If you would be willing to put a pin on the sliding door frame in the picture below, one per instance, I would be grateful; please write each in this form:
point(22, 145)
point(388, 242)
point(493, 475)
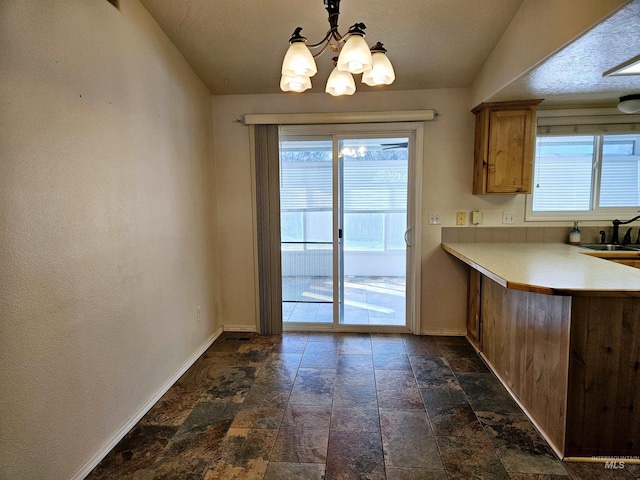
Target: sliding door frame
point(414, 131)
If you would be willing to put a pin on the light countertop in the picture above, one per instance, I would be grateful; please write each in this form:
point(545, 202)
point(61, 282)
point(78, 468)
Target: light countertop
point(548, 268)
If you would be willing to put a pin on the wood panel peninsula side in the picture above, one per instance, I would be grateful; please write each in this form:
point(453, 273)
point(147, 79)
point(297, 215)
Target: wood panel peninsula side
point(561, 330)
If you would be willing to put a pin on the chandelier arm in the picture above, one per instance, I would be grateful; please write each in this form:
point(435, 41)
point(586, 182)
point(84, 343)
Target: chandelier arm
point(332, 34)
point(326, 38)
point(324, 49)
point(340, 38)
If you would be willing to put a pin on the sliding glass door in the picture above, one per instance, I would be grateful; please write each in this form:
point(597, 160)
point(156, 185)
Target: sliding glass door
point(373, 180)
point(345, 229)
point(307, 231)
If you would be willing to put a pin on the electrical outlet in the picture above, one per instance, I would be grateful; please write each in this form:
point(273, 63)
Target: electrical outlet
point(476, 217)
point(198, 313)
point(461, 218)
point(507, 217)
point(434, 218)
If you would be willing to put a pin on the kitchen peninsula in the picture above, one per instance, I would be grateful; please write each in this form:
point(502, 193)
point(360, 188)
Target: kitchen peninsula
point(561, 329)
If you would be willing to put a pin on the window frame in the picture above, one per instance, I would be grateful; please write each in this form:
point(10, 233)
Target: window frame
point(595, 212)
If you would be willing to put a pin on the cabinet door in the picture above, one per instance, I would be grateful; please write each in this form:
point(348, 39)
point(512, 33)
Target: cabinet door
point(473, 308)
point(510, 155)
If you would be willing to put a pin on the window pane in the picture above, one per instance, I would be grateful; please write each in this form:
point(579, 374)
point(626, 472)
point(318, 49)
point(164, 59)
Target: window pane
point(305, 175)
point(363, 231)
point(375, 173)
point(615, 145)
point(396, 225)
point(319, 226)
point(562, 176)
point(620, 178)
point(291, 226)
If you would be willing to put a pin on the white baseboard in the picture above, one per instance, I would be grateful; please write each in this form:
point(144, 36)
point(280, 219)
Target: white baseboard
point(446, 333)
point(240, 328)
point(122, 431)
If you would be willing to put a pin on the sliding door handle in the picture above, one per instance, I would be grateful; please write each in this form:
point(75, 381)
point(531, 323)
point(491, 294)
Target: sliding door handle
point(406, 237)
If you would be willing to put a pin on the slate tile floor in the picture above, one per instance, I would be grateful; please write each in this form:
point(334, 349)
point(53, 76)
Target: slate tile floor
point(339, 406)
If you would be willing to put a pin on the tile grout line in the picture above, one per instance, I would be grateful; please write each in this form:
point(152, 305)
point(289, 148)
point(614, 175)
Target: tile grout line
point(424, 405)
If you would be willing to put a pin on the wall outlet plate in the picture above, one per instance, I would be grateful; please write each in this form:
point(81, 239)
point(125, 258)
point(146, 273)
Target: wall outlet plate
point(476, 217)
point(434, 218)
point(461, 218)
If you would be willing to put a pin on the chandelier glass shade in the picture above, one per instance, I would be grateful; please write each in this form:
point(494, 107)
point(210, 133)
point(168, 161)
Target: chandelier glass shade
point(299, 61)
point(382, 72)
point(299, 83)
point(340, 83)
point(354, 57)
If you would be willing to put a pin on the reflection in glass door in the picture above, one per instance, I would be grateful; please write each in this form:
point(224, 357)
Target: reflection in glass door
point(343, 203)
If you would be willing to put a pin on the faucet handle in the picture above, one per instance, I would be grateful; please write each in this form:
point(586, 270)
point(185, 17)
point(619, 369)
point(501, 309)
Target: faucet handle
point(603, 237)
point(627, 237)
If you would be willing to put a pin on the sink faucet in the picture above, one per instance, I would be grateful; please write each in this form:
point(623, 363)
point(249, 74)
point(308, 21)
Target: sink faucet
point(616, 228)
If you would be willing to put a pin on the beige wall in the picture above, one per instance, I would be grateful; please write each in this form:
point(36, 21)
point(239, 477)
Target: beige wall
point(446, 184)
point(106, 226)
point(447, 168)
point(539, 29)
point(115, 225)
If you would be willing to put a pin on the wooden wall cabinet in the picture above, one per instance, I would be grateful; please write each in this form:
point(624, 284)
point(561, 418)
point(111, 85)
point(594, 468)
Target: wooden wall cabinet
point(504, 146)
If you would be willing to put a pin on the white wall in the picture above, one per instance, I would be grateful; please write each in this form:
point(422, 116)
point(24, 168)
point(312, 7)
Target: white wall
point(106, 226)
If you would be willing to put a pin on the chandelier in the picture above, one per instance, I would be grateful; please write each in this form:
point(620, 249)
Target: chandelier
point(354, 57)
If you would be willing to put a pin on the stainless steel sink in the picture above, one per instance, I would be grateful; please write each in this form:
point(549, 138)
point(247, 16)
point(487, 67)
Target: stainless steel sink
point(610, 248)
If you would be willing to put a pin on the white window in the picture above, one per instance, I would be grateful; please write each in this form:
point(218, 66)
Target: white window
point(582, 177)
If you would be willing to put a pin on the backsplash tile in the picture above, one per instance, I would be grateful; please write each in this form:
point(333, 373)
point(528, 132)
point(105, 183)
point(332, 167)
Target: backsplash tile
point(450, 235)
point(517, 234)
point(467, 235)
point(535, 235)
point(520, 234)
point(484, 235)
point(556, 234)
point(500, 235)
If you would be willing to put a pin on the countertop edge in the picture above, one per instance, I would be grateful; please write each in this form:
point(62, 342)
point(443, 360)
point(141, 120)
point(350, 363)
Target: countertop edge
point(541, 289)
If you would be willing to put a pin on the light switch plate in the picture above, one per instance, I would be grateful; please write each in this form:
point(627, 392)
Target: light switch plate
point(434, 218)
point(507, 217)
point(476, 217)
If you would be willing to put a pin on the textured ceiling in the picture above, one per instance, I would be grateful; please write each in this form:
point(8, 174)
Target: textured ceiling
point(236, 47)
point(573, 75)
